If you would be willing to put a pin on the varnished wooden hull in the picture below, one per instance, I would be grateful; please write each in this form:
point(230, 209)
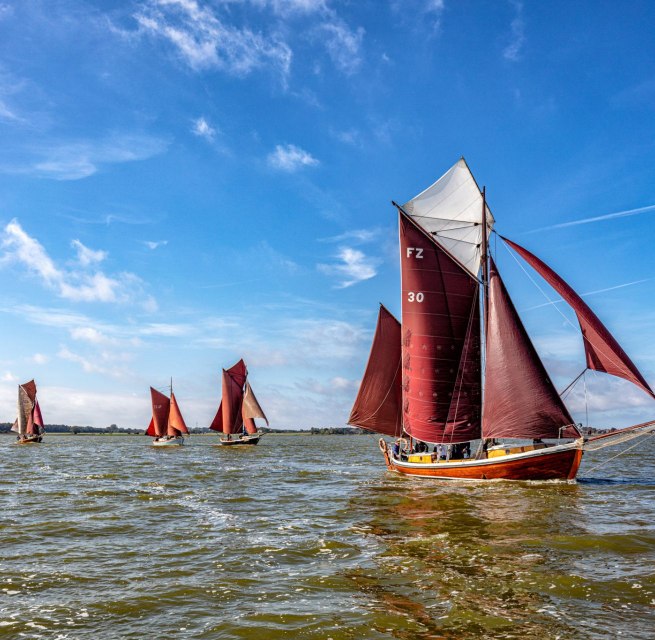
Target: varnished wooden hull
point(554, 463)
point(254, 439)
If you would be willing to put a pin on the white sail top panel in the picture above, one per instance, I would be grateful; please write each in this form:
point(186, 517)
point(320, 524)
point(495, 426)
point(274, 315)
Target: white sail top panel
point(451, 212)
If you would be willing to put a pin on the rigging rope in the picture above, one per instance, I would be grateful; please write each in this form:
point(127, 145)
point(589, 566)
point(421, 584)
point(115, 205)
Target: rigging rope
point(620, 453)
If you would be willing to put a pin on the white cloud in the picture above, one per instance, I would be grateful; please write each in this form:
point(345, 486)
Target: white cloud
point(152, 244)
point(203, 129)
point(39, 358)
point(74, 160)
point(513, 50)
point(86, 256)
point(8, 376)
point(286, 7)
point(356, 235)
point(290, 158)
point(204, 41)
point(355, 267)
point(343, 44)
point(78, 286)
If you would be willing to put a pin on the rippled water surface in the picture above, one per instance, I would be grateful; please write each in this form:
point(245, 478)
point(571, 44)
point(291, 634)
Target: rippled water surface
point(310, 537)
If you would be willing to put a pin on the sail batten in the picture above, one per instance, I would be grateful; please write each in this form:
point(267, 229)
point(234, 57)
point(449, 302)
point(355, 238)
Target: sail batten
point(603, 352)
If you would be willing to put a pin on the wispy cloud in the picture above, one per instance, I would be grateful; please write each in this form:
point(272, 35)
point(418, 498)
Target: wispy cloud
point(513, 50)
point(66, 160)
point(354, 266)
point(75, 285)
point(205, 41)
point(155, 244)
point(86, 256)
point(343, 44)
point(290, 158)
point(608, 216)
point(420, 13)
point(203, 129)
point(8, 376)
point(355, 235)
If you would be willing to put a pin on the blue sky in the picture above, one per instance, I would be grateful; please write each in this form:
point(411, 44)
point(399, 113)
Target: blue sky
point(187, 182)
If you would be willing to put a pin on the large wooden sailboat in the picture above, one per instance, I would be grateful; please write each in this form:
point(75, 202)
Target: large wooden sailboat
point(167, 425)
point(238, 409)
point(424, 380)
point(29, 423)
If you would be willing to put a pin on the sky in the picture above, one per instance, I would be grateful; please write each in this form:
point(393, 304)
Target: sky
point(187, 182)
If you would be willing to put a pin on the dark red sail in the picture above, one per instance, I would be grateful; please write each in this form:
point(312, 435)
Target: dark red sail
point(176, 424)
point(441, 381)
point(520, 400)
point(160, 409)
point(217, 422)
point(602, 350)
point(378, 404)
point(232, 397)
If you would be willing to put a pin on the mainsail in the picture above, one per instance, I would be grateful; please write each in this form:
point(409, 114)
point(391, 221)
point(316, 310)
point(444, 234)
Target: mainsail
point(440, 341)
point(158, 426)
point(251, 410)
point(520, 400)
point(232, 396)
point(379, 400)
point(602, 351)
point(27, 423)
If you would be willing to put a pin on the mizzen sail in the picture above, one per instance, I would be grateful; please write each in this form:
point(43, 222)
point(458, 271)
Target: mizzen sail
point(379, 400)
point(520, 400)
point(602, 351)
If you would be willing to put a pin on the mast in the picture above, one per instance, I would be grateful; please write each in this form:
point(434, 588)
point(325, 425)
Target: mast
point(484, 250)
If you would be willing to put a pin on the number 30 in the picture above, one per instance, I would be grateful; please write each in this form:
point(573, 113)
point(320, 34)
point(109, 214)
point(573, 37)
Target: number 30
point(414, 297)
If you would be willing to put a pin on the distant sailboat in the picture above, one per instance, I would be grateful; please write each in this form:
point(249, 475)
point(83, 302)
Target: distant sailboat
point(238, 408)
point(167, 425)
point(424, 379)
point(29, 423)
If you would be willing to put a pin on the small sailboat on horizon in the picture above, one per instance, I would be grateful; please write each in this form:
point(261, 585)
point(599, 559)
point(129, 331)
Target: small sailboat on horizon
point(167, 425)
point(29, 424)
point(460, 342)
point(237, 409)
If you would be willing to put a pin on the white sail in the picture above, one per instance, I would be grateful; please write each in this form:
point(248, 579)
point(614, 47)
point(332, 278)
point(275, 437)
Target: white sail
point(451, 212)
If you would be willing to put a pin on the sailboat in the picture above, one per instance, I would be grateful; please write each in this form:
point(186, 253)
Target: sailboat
point(426, 380)
point(29, 423)
point(238, 409)
point(167, 425)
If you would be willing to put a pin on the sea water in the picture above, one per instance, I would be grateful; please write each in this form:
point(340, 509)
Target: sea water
point(310, 537)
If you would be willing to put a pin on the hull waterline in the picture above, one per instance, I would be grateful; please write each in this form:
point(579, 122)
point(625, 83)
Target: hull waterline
point(34, 440)
point(245, 440)
point(553, 463)
point(175, 442)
